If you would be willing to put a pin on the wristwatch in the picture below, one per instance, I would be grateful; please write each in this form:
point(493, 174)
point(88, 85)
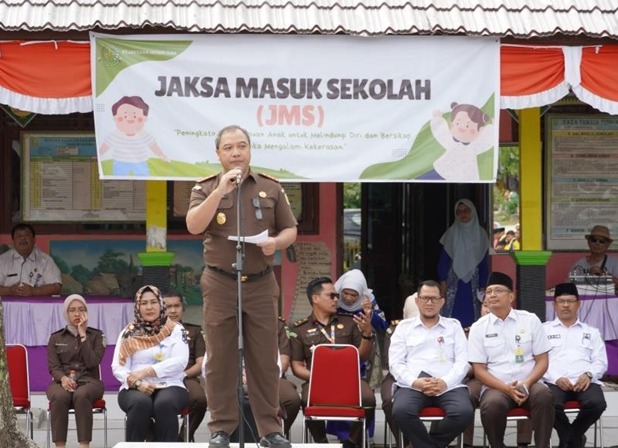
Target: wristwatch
point(589, 375)
point(137, 383)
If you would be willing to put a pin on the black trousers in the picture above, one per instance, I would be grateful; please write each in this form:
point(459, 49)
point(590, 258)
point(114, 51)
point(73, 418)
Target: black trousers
point(592, 402)
point(163, 406)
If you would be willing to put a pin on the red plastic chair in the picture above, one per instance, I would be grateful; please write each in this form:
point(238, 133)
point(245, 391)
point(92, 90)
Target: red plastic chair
point(572, 407)
point(19, 379)
point(431, 414)
point(98, 407)
point(334, 387)
point(512, 415)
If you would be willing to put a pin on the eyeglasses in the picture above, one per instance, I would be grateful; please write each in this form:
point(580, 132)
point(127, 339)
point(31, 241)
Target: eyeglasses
point(258, 210)
point(427, 299)
point(566, 301)
point(332, 295)
point(597, 239)
point(496, 291)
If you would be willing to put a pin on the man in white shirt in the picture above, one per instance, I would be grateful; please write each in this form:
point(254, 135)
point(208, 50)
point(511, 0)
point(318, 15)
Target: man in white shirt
point(508, 350)
point(25, 270)
point(428, 359)
point(576, 362)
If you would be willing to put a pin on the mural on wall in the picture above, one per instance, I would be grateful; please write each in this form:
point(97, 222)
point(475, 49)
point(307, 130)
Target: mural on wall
point(112, 267)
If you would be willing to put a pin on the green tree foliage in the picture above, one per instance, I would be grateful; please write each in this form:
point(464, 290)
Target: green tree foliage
point(351, 195)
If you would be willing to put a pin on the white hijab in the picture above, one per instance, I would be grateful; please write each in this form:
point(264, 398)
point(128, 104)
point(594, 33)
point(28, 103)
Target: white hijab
point(466, 243)
point(353, 279)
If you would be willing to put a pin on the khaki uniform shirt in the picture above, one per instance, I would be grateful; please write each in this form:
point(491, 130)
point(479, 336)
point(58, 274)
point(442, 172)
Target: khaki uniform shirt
point(66, 352)
point(197, 346)
point(264, 207)
point(308, 332)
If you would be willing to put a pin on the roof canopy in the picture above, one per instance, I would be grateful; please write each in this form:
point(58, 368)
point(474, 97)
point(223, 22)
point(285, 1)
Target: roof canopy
point(520, 19)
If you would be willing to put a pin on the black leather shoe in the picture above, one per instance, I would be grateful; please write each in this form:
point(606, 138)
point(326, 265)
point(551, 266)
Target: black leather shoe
point(219, 439)
point(274, 440)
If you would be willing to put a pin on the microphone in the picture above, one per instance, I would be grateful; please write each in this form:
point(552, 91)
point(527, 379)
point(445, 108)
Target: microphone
point(238, 178)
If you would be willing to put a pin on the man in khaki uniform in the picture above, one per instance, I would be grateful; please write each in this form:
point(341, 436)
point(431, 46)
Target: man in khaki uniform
point(175, 305)
point(288, 395)
point(213, 212)
point(325, 326)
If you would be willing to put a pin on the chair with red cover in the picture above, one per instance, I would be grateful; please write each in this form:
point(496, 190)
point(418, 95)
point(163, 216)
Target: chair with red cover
point(98, 407)
point(334, 387)
point(19, 378)
point(431, 414)
point(572, 407)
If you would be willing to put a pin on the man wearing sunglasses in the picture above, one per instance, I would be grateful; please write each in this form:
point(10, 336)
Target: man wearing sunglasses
point(325, 326)
point(598, 262)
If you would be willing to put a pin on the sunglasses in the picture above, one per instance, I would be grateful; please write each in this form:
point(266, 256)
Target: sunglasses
point(332, 295)
point(597, 239)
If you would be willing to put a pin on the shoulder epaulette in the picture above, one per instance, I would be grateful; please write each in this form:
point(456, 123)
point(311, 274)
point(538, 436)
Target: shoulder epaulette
point(269, 177)
point(59, 331)
point(301, 321)
point(282, 319)
point(197, 185)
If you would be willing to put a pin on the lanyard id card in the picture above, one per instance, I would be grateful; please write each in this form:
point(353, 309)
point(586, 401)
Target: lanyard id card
point(519, 352)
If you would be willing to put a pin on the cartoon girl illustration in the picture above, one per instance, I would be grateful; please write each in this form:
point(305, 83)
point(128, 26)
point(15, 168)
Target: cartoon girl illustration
point(469, 134)
point(130, 142)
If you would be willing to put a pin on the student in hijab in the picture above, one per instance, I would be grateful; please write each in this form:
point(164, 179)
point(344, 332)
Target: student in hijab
point(463, 265)
point(73, 357)
point(355, 296)
point(149, 361)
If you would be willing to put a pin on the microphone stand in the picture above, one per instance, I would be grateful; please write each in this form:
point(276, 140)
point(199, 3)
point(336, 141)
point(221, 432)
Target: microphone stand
point(238, 267)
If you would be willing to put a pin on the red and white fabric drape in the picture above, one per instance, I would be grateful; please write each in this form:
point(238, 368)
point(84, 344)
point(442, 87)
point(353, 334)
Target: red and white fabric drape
point(53, 77)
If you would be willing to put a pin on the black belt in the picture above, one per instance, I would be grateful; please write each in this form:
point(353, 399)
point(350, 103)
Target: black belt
point(243, 278)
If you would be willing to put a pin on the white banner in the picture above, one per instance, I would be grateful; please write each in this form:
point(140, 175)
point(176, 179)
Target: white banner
point(318, 108)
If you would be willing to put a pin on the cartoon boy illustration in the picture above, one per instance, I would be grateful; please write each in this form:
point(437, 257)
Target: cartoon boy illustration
point(469, 134)
point(129, 142)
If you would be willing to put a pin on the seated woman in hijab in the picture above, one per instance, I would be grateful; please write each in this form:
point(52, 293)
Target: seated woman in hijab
point(355, 296)
point(463, 266)
point(149, 361)
point(73, 357)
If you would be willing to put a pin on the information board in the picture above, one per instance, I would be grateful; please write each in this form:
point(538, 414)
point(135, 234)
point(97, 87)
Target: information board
point(581, 177)
point(60, 182)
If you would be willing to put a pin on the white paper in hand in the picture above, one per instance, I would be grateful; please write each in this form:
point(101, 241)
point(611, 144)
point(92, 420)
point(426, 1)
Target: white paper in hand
point(253, 239)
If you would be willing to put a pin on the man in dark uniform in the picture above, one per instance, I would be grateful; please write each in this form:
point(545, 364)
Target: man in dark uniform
point(325, 326)
point(288, 395)
point(213, 212)
point(175, 305)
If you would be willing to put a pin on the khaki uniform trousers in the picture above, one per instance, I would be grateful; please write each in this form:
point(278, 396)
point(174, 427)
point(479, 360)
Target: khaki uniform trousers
point(260, 354)
point(81, 400)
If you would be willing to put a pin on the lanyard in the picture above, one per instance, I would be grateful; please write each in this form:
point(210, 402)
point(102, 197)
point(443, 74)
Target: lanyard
point(330, 338)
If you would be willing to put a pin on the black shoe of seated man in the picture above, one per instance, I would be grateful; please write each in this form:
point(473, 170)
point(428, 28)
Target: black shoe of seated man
point(349, 444)
point(219, 439)
point(274, 440)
